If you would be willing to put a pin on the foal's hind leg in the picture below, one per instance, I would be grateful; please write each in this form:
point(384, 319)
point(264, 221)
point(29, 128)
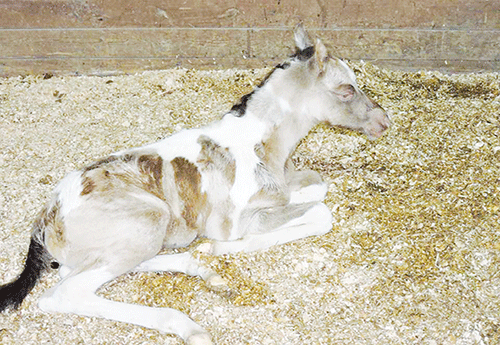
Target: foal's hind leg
point(184, 263)
point(76, 294)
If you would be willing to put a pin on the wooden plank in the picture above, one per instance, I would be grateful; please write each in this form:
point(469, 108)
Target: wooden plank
point(121, 43)
point(436, 14)
point(473, 45)
point(479, 14)
point(368, 44)
point(155, 13)
point(114, 66)
point(242, 43)
point(127, 49)
point(442, 65)
point(53, 34)
point(105, 67)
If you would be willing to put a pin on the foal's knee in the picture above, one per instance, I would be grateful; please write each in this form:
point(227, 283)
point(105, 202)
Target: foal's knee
point(311, 193)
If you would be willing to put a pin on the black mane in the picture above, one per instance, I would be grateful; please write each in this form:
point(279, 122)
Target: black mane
point(304, 54)
point(239, 109)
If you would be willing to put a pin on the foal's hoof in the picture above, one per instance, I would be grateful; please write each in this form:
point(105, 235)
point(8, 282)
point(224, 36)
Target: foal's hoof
point(217, 283)
point(205, 248)
point(199, 339)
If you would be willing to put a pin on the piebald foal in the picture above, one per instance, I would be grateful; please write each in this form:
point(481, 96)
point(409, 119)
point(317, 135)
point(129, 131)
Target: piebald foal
point(231, 181)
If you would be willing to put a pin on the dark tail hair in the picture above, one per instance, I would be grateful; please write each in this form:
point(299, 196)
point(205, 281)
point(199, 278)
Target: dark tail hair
point(37, 261)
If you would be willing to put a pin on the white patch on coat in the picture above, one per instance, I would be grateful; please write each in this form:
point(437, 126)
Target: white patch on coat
point(67, 192)
point(228, 133)
point(239, 135)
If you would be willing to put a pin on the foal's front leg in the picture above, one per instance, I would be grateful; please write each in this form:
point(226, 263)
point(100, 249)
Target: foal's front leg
point(304, 216)
point(317, 220)
point(304, 185)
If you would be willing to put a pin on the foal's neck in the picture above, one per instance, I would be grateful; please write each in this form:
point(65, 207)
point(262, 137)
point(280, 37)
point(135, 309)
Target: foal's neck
point(281, 104)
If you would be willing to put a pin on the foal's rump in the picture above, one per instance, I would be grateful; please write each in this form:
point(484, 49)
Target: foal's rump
point(119, 211)
point(119, 234)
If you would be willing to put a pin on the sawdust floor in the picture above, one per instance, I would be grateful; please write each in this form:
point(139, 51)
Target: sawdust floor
point(414, 254)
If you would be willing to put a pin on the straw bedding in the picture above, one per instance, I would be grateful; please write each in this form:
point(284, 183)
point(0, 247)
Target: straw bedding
point(414, 254)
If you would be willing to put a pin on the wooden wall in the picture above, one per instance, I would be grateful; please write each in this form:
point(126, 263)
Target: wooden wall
point(117, 36)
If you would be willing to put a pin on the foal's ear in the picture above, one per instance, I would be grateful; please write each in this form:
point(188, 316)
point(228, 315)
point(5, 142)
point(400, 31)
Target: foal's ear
point(302, 40)
point(320, 54)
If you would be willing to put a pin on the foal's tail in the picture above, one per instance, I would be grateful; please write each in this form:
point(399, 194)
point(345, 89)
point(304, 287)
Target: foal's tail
point(37, 261)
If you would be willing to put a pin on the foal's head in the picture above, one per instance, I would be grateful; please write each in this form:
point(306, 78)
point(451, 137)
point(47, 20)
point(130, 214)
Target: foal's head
point(330, 92)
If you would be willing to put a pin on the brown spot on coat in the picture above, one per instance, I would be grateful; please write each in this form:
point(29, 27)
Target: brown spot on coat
point(88, 186)
point(219, 168)
point(269, 175)
point(151, 167)
point(188, 182)
point(116, 174)
point(214, 157)
point(269, 151)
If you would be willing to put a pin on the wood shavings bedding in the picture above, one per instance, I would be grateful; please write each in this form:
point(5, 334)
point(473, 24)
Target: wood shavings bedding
point(414, 256)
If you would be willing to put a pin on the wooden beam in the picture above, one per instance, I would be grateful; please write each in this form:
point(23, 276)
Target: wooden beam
point(115, 36)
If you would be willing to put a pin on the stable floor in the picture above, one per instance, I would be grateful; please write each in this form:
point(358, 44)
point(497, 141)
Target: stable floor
point(414, 254)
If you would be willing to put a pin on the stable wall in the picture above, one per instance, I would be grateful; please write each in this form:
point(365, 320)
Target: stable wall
point(114, 37)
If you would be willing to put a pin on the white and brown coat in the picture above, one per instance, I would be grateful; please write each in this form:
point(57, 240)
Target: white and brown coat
point(232, 182)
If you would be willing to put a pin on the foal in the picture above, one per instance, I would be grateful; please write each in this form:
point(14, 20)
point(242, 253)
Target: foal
point(231, 181)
